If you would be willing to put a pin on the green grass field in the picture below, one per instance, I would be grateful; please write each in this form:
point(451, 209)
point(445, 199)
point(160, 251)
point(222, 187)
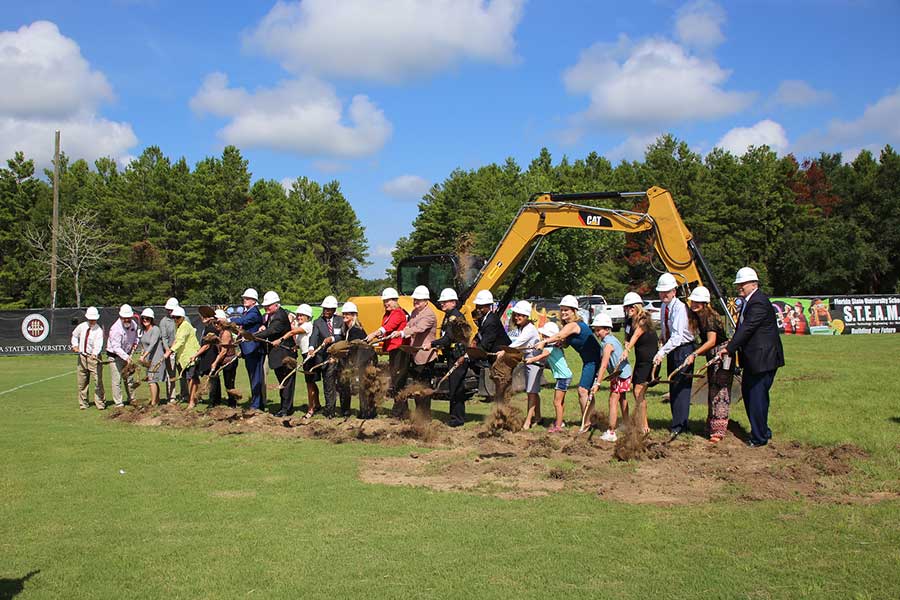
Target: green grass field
point(199, 515)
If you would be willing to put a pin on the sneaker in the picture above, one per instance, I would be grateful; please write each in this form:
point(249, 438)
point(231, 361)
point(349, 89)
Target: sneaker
point(609, 436)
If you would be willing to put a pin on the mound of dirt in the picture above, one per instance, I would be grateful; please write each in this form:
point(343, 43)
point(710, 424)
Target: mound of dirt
point(493, 460)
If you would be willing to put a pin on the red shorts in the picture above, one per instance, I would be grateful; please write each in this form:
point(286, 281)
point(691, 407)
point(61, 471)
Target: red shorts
point(619, 385)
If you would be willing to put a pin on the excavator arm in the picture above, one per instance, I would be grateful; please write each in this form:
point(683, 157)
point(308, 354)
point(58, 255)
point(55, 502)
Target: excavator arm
point(547, 212)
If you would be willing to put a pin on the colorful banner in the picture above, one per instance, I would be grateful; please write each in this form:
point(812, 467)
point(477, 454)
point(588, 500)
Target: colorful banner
point(837, 315)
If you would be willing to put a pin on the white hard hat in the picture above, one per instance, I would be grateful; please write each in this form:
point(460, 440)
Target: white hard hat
point(178, 311)
point(270, 298)
point(448, 294)
point(699, 294)
point(305, 309)
point(549, 329)
point(349, 307)
point(632, 298)
point(171, 303)
point(250, 293)
point(329, 302)
point(125, 311)
point(92, 314)
point(389, 294)
point(666, 283)
point(148, 312)
point(569, 301)
point(745, 274)
point(522, 307)
point(484, 297)
point(602, 320)
point(420, 293)
point(221, 314)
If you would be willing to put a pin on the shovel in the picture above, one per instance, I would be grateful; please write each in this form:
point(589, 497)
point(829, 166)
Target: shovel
point(447, 374)
point(657, 381)
point(221, 367)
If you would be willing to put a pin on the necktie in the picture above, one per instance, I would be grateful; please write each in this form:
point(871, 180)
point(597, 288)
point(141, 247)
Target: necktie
point(666, 321)
point(330, 327)
point(87, 333)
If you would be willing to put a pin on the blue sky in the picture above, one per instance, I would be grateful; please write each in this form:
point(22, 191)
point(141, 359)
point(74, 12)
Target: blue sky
point(390, 97)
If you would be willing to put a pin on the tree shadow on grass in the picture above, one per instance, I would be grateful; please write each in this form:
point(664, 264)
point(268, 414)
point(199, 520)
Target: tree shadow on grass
point(10, 588)
point(895, 420)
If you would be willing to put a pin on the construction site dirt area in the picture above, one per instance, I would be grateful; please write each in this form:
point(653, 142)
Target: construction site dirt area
point(486, 460)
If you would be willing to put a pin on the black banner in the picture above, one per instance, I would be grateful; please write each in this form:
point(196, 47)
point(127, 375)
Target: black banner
point(49, 332)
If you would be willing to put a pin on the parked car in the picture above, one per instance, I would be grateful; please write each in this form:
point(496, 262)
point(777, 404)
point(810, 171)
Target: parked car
point(653, 307)
point(591, 306)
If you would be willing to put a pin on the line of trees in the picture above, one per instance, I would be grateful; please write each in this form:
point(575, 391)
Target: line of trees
point(817, 227)
point(159, 228)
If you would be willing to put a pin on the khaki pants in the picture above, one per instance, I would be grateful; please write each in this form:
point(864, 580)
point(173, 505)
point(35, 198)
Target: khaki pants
point(117, 382)
point(87, 366)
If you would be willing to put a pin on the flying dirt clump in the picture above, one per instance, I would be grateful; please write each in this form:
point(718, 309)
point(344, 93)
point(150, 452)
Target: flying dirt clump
point(505, 417)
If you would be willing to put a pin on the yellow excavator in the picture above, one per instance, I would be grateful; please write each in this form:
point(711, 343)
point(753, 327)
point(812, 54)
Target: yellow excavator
point(543, 214)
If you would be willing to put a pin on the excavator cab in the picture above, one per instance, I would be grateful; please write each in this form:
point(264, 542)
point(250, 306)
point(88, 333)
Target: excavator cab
point(438, 271)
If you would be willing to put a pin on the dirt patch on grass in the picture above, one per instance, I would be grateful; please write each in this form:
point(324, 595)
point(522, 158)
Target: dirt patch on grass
point(518, 464)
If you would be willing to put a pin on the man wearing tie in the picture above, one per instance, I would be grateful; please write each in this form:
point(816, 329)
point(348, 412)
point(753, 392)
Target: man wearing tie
point(87, 342)
point(677, 345)
point(327, 329)
point(252, 351)
point(276, 325)
point(760, 353)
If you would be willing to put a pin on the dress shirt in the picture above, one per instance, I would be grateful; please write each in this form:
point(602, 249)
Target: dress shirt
point(88, 340)
point(676, 330)
point(122, 341)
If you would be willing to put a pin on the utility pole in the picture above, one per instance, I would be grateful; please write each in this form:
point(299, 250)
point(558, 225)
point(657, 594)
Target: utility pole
point(54, 230)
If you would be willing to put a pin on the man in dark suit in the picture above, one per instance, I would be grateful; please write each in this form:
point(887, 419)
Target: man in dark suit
point(758, 345)
point(327, 329)
point(454, 349)
point(491, 336)
point(250, 321)
point(275, 324)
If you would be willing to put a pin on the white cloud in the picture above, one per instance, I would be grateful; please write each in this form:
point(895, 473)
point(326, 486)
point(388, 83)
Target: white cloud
point(632, 148)
point(51, 86)
point(699, 24)
point(650, 84)
point(304, 116)
point(406, 187)
point(878, 125)
point(794, 93)
point(382, 251)
point(767, 132)
point(392, 41)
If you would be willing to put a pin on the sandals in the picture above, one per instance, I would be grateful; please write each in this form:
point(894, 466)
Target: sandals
point(309, 415)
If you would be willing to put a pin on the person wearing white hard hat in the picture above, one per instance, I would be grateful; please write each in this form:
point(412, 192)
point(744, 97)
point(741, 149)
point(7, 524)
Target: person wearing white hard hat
point(122, 342)
point(87, 343)
point(453, 348)
point(577, 334)
point(677, 345)
point(523, 334)
point(641, 336)
point(490, 337)
point(153, 354)
point(184, 350)
point(707, 325)
point(615, 365)
point(301, 330)
point(758, 346)
point(420, 331)
point(167, 331)
point(224, 365)
point(394, 319)
point(250, 320)
point(354, 361)
point(276, 325)
point(556, 361)
point(327, 329)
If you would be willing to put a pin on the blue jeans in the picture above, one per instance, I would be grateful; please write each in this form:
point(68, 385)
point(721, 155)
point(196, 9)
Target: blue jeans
point(256, 373)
